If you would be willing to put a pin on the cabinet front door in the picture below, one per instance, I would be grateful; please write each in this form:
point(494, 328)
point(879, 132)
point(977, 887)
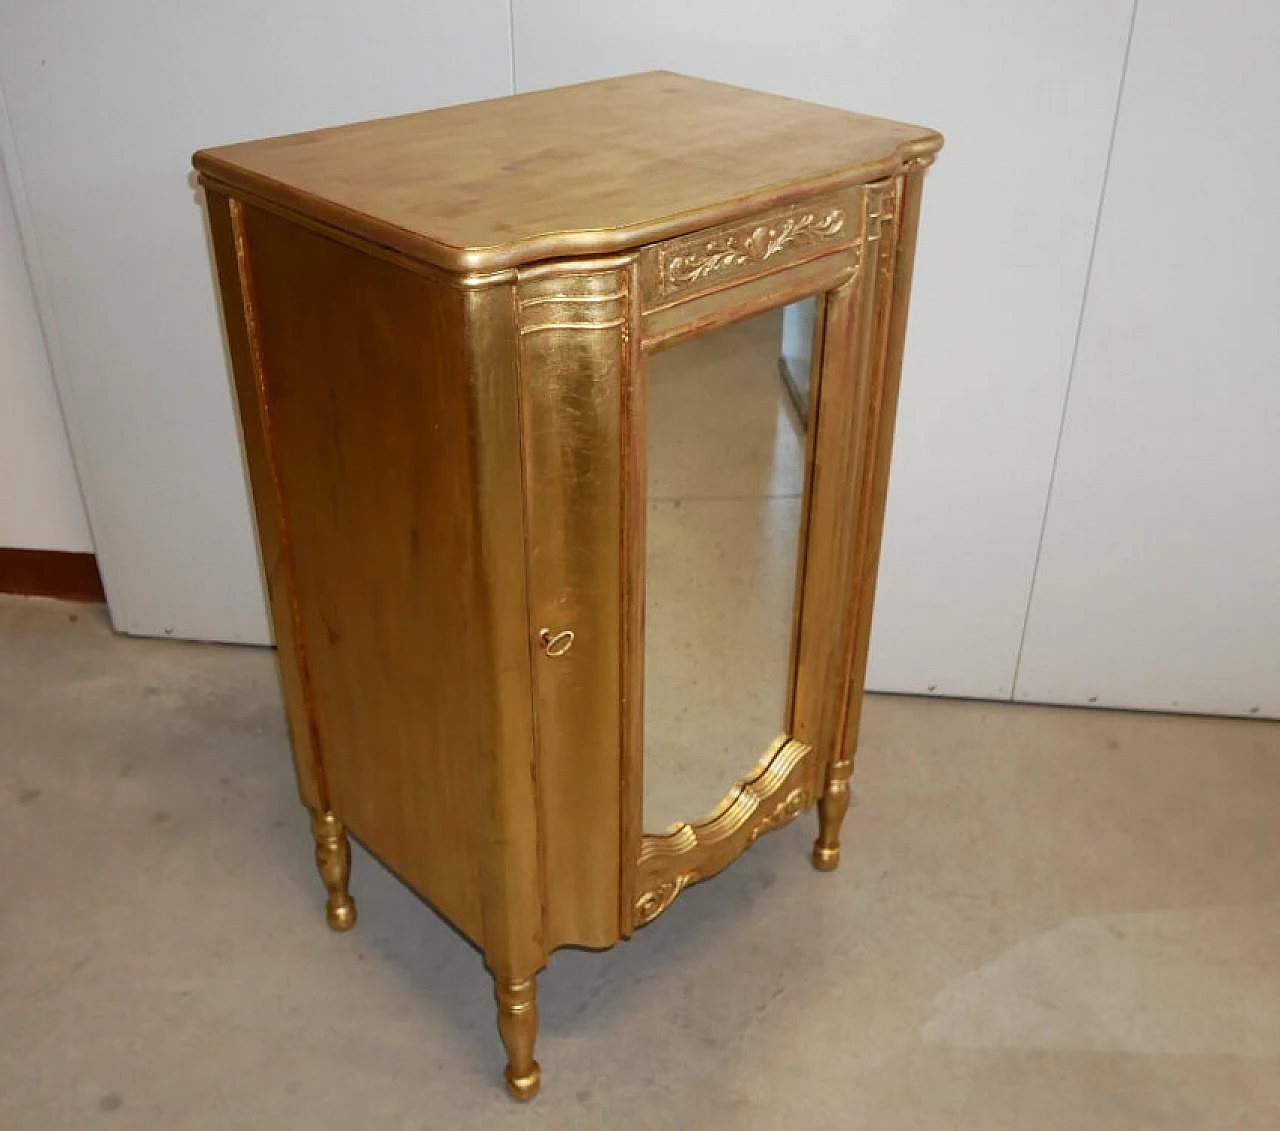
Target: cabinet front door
point(703, 526)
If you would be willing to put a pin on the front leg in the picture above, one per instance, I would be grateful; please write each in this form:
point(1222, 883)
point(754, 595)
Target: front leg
point(518, 1024)
point(333, 861)
point(832, 806)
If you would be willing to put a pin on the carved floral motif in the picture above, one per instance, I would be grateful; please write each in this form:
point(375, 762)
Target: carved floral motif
point(749, 245)
point(789, 807)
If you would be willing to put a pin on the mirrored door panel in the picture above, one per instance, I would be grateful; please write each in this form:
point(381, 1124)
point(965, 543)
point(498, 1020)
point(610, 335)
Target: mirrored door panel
point(726, 467)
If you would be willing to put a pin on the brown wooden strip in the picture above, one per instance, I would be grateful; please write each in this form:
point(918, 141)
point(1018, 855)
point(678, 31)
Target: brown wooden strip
point(68, 575)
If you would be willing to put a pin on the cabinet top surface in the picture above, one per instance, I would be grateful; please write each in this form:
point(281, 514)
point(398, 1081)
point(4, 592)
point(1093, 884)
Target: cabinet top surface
point(578, 170)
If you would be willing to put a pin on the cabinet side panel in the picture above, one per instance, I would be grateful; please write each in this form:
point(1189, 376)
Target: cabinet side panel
point(365, 373)
point(234, 282)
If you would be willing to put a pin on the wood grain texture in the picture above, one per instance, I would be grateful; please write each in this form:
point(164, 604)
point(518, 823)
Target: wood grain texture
point(365, 372)
point(579, 170)
point(238, 319)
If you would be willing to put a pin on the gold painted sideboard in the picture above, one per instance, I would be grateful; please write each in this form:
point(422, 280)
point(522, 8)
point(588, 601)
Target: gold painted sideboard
point(440, 326)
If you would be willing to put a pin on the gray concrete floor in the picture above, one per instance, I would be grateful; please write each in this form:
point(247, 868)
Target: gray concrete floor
point(1045, 919)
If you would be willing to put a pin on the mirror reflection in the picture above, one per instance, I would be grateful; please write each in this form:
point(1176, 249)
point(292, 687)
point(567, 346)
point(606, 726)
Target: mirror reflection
point(795, 363)
point(725, 494)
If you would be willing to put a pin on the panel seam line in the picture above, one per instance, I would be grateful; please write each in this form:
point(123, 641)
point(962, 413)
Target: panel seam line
point(1075, 353)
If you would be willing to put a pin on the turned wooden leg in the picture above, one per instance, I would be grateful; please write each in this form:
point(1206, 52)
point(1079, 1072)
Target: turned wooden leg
point(518, 1024)
point(333, 860)
point(832, 806)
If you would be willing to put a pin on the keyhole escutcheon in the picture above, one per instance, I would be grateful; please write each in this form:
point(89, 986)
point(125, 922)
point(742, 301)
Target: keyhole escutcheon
point(556, 643)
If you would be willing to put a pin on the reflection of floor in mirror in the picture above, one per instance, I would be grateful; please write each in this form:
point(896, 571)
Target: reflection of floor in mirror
point(726, 472)
point(1046, 920)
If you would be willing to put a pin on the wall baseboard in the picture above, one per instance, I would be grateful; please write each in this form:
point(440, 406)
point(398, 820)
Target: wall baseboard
point(50, 573)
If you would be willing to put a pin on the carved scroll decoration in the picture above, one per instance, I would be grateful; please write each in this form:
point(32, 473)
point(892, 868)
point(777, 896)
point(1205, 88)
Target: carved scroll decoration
point(776, 792)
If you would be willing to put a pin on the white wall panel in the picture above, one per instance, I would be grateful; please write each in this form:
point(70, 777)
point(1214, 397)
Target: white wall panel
point(107, 102)
point(1026, 95)
point(40, 507)
point(1159, 582)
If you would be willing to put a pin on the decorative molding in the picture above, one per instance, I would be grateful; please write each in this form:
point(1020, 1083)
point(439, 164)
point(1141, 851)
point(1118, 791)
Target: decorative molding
point(919, 163)
point(689, 263)
point(774, 794)
point(788, 808)
point(856, 219)
point(653, 903)
point(881, 208)
point(880, 224)
point(576, 298)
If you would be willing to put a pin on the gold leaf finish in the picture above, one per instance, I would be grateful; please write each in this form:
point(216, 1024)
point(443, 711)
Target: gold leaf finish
point(788, 808)
point(773, 794)
point(832, 807)
point(575, 360)
point(682, 268)
point(333, 861)
point(654, 902)
point(438, 325)
point(518, 1025)
point(581, 171)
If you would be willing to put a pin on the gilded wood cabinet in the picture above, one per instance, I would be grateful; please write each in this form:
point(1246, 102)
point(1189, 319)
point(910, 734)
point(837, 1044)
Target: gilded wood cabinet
point(440, 326)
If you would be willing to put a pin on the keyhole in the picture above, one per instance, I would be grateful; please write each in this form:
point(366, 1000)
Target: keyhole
point(557, 643)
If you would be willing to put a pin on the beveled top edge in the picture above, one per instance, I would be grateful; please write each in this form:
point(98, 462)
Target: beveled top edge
point(235, 179)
